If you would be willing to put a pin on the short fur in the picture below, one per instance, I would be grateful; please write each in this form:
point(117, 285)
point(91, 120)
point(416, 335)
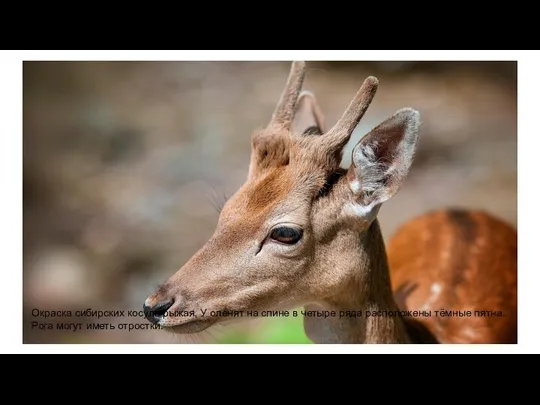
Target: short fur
point(439, 261)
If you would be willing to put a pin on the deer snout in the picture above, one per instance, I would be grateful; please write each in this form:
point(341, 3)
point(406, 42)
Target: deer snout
point(156, 312)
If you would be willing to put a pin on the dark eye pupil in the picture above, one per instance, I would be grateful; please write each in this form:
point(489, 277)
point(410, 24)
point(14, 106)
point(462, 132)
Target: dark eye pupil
point(286, 235)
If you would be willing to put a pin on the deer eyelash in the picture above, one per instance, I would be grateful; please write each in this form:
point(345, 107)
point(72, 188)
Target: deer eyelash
point(218, 200)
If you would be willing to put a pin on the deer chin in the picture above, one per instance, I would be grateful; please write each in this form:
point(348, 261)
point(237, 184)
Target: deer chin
point(184, 325)
point(188, 326)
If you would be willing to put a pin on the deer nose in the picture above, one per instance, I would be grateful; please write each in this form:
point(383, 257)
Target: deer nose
point(156, 313)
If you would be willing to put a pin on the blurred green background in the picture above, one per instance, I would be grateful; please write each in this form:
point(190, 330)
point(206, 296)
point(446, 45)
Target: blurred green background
point(126, 162)
point(271, 331)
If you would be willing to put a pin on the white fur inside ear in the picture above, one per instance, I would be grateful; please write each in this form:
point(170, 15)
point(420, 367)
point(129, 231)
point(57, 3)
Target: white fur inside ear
point(371, 174)
point(360, 211)
point(355, 186)
point(382, 159)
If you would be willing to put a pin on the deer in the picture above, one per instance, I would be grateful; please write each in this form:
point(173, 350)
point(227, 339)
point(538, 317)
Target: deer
point(303, 232)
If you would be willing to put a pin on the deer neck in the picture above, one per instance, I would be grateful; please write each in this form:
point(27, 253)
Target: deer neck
point(368, 289)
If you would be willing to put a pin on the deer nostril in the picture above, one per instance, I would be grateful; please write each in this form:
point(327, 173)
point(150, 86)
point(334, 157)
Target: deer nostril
point(157, 312)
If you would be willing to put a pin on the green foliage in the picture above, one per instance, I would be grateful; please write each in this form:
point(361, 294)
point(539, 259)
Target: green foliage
point(271, 331)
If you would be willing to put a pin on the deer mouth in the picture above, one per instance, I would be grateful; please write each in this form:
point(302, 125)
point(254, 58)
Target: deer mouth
point(195, 324)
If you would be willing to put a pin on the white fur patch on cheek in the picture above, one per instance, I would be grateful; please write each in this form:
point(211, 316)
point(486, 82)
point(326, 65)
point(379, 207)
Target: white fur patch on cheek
point(360, 211)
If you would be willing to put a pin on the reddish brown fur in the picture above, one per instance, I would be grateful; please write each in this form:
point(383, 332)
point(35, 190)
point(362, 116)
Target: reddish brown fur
point(272, 188)
point(472, 257)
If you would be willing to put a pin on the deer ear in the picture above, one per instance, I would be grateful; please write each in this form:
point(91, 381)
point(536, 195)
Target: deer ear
point(308, 118)
point(382, 159)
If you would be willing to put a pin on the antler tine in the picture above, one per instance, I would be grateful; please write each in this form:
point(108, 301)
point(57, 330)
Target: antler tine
point(341, 132)
point(284, 111)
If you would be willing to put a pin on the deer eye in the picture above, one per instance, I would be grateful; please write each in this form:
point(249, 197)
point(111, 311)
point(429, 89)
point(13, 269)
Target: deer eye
point(286, 235)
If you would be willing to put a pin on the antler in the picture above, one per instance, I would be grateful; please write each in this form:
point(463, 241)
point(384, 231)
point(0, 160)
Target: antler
point(285, 108)
point(338, 136)
point(270, 147)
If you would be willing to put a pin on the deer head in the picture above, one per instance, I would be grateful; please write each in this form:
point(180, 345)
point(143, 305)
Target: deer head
point(284, 238)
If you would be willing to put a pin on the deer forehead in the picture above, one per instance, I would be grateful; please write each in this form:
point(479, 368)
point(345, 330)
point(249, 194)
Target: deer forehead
point(281, 192)
point(264, 193)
